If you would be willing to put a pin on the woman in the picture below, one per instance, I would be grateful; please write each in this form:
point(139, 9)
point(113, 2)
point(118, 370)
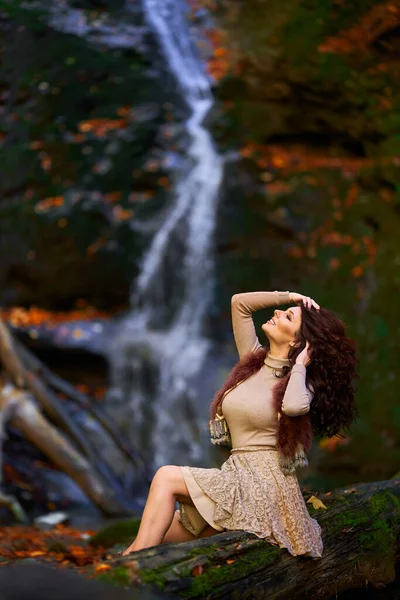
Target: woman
point(306, 371)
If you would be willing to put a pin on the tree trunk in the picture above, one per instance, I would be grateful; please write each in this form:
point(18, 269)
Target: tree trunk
point(360, 528)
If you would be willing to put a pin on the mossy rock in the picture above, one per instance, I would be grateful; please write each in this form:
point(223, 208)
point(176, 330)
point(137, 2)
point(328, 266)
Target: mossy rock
point(120, 532)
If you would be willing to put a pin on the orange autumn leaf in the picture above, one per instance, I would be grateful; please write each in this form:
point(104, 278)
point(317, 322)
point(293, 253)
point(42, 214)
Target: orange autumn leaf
point(122, 214)
point(295, 252)
point(330, 444)
point(102, 567)
point(220, 52)
point(124, 111)
point(246, 151)
point(48, 203)
point(112, 196)
point(229, 561)
point(77, 550)
point(163, 181)
point(152, 165)
point(357, 271)
point(99, 127)
point(29, 193)
point(278, 188)
point(279, 161)
point(45, 162)
point(36, 145)
point(197, 570)
point(334, 238)
point(93, 248)
point(99, 392)
point(334, 263)
point(82, 387)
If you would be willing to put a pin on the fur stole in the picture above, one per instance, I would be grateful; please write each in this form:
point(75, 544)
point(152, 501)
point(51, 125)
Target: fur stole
point(294, 433)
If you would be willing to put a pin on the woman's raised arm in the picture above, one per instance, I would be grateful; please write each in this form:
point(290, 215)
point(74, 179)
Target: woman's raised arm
point(243, 305)
point(297, 398)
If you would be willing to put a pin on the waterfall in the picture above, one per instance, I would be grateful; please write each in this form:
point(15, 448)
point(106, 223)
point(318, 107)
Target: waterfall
point(160, 346)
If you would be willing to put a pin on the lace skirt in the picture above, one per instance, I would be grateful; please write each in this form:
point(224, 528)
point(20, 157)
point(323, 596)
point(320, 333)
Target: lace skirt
point(251, 493)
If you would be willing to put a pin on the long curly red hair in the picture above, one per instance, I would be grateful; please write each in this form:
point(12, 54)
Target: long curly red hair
point(332, 371)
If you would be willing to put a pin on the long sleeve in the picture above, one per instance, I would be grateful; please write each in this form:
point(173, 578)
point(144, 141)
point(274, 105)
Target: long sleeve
point(297, 398)
point(243, 305)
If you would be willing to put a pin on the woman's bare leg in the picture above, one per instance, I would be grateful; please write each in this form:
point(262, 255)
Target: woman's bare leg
point(167, 487)
point(178, 533)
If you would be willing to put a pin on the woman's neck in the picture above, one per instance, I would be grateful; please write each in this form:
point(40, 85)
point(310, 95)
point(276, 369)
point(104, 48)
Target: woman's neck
point(277, 351)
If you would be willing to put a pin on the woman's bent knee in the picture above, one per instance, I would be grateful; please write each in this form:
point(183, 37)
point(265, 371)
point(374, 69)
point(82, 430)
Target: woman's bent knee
point(171, 477)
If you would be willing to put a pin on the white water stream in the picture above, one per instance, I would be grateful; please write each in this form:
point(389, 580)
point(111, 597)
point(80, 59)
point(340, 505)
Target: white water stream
point(152, 365)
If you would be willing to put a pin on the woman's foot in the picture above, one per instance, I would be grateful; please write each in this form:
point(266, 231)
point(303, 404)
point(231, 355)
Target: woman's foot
point(127, 551)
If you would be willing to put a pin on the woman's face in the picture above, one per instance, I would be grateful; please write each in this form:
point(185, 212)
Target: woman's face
point(283, 326)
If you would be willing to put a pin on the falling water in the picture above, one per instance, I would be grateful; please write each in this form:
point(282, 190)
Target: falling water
point(160, 347)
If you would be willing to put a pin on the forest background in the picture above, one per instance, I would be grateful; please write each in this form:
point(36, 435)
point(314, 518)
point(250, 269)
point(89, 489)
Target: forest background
point(307, 116)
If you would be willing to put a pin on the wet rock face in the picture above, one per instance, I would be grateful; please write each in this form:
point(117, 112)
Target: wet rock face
point(90, 142)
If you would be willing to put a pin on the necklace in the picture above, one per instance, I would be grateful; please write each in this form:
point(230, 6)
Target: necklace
point(277, 371)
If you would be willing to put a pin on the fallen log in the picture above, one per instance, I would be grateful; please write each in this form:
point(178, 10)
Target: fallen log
point(11, 363)
point(58, 414)
point(82, 443)
point(360, 528)
point(46, 397)
point(27, 418)
point(35, 366)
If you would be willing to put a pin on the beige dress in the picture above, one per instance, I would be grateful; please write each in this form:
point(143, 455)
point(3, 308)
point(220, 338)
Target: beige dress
point(249, 492)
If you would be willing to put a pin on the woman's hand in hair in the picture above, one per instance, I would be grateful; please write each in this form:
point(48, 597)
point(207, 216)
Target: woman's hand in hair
point(307, 301)
point(304, 356)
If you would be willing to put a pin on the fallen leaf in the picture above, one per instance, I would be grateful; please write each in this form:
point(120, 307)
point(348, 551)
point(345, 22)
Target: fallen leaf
point(316, 502)
point(229, 561)
point(102, 567)
point(357, 271)
point(113, 196)
point(197, 570)
point(48, 203)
